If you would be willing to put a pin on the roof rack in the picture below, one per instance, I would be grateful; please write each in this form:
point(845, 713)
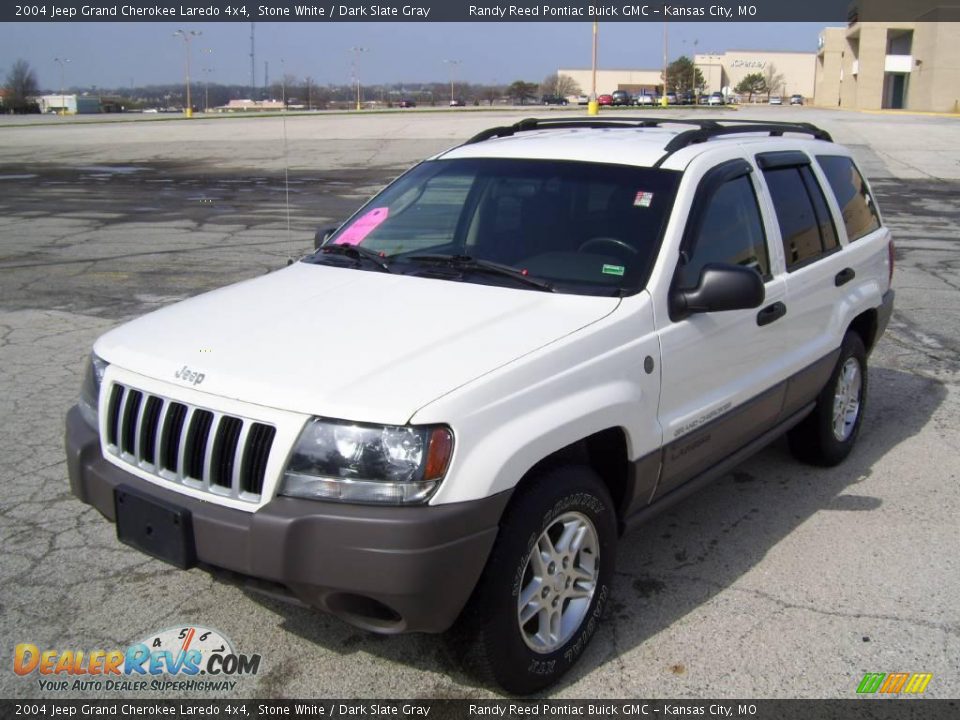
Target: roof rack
point(703, 130)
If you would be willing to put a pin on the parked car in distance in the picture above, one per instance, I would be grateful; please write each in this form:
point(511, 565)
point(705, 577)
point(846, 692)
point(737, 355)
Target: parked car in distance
point(643, 99)
point(796, 99)
point(457, 103)
point(687, 98)
point(621, 97)
point(605, 99)
point(553, 100)
point(716, 98)
point(671, 98)
point(776, 100)
point(406, 104)
point(583, 100)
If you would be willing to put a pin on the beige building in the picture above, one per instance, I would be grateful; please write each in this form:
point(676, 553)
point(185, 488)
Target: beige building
point(721, 72)
point(633, 81)
point(900, 65)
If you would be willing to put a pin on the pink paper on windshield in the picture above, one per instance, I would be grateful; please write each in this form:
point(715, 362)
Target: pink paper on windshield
point(363, 226)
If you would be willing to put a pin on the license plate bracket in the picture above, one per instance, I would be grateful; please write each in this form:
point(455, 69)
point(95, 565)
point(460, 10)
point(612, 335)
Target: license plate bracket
point(156, 527)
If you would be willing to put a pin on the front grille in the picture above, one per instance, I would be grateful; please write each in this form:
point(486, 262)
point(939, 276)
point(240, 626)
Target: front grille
point(192, 446)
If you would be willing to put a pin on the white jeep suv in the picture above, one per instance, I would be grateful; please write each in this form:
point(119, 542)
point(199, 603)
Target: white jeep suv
point(516, 351)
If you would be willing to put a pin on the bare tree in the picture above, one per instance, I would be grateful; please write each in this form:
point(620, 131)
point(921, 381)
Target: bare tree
point(22, 85)
point(491, 94)
point(559, 85)
point(772, 79)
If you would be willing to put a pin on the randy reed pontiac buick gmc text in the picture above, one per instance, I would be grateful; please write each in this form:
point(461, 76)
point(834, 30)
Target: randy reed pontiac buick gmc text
point(454, 408)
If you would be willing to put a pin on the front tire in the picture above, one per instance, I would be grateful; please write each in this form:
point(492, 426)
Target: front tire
point(827, 435)
point(547, 582)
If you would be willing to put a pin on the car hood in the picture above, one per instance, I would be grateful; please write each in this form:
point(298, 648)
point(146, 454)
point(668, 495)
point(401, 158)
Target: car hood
point(352, 344)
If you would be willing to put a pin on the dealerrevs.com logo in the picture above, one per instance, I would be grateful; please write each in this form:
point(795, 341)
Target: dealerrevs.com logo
point(186, 658)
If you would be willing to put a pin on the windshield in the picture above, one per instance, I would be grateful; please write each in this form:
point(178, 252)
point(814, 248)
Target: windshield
point(582, 227)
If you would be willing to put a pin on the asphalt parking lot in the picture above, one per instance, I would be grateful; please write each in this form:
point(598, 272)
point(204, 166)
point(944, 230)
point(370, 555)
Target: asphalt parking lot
point(779, 580)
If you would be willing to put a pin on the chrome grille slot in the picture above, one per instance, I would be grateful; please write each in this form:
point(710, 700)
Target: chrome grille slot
point(255, 457)
point(149, 422)
point(225, 451)
point(128, 421)
point(170, 440)
point(188, 445)
point(113, 414)
point(196, 447)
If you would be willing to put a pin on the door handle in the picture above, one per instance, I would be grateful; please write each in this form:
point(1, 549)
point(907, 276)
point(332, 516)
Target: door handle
point(844, 276)
point(771, 313)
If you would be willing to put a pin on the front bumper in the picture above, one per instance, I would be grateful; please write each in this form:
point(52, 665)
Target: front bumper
point(386, 569)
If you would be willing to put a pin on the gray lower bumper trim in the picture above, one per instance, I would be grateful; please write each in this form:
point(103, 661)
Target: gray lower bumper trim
point(420, 562)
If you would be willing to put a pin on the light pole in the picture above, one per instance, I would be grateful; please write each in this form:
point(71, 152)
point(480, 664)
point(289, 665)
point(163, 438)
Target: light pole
point(356, 50)
point(206, 82)
point(453, 65)
point(187, 37)
point(663, 98)
point(593, 106)
point(63, 100)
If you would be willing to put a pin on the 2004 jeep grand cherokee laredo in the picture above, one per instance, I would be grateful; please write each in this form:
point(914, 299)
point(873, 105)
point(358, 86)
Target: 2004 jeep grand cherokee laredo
point(517, 350)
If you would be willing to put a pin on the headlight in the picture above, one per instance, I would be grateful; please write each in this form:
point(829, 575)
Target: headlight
point(90, 390)
point(350, 462)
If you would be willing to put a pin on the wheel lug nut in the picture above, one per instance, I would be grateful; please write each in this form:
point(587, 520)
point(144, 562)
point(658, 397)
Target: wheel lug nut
point(552, 568)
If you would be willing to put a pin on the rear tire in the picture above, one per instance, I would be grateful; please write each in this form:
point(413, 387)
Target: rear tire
point(546, 584)
point(827, 435)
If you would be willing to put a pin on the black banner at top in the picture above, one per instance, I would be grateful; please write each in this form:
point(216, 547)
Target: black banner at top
point(827, 11)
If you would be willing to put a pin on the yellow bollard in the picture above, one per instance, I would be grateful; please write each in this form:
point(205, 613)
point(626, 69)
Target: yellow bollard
point(593, 108)
point(188, 112)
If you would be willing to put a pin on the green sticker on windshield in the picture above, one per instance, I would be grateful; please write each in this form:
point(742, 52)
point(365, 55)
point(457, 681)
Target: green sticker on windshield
point(613, 269)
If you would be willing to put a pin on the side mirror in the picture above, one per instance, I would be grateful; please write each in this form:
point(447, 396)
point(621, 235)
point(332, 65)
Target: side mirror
point(721, 287)
point(321, 236)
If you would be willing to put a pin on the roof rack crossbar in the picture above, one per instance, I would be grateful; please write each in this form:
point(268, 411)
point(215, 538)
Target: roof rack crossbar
point(528, 124)
point(703, 130)
point(776, 129)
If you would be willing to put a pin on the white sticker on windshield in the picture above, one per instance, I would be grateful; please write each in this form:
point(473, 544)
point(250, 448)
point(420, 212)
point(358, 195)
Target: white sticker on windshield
point(643, 199)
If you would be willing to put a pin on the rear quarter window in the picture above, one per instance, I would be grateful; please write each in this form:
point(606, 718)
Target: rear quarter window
point(859, 211)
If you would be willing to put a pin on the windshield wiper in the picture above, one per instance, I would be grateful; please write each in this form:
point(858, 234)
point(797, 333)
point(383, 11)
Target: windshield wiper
point(472, 264)
point(355, 252)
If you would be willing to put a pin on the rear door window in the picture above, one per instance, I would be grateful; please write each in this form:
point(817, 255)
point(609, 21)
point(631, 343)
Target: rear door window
point(859, 211)
point(805, 225)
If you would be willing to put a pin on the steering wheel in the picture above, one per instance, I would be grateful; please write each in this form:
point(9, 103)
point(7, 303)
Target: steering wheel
point(620, 244)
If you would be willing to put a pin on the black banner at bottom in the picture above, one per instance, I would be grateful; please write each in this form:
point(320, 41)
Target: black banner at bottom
point(873, 708)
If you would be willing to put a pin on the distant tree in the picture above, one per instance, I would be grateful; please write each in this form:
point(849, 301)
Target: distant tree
point(559, 85)
point(522, 91)
point(683, 76)
point(752, 84)
point(490, 94)
point(773, 79)
point(22, 87)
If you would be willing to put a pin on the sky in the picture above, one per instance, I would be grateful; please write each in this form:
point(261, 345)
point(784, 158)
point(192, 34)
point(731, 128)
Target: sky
point(114, 55)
